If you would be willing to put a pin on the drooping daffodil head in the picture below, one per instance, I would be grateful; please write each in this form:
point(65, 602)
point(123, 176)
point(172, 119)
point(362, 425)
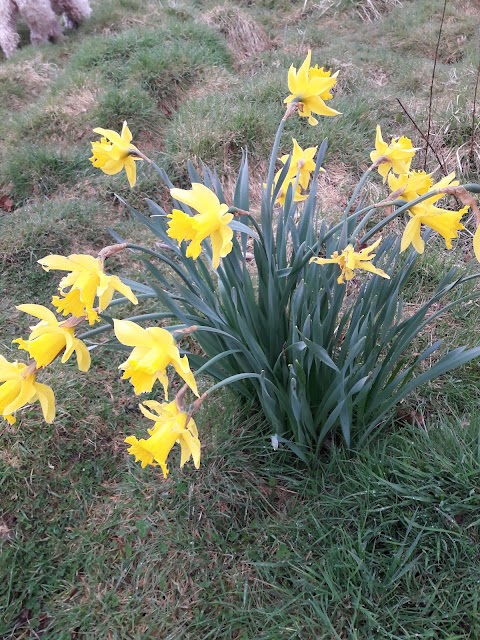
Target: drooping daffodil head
point(86, 281)
point(115, 152)
point(19, 387)
point(302, 164)
point(154, 349)
point(396, 156)
point(443, 221)
point(49, 338)
point(413, 184)
point(212, 221)
point(171, 425)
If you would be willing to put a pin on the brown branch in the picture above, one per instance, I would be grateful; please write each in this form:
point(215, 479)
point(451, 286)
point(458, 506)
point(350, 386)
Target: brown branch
point(431, 84)
point(440, 160)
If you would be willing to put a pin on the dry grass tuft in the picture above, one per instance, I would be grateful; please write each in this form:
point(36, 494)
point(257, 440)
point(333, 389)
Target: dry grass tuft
point(243, 35)
point(24, 81)
point(32, 73)
point(77, 103)
point(332, 190)
point(368, 10)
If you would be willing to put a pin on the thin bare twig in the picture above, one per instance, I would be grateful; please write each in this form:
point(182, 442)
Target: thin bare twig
point(472, 139)
point(440, 160)
point(431, 85)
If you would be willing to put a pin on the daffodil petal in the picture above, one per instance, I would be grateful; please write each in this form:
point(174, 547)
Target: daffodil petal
point(38, 311)
point(131, 334)
point(47, 401)
point(476, 243)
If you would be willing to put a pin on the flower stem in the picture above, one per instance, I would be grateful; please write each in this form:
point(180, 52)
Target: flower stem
point(154, 166)
point(230, 380)
point(273, 157)
point(111, 250)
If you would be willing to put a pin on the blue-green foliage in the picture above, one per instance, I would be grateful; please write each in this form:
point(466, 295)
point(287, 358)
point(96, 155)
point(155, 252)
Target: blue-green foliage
point(326, 361)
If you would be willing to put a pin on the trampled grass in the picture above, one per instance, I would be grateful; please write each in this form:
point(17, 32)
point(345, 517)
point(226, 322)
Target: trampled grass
point(382, 545)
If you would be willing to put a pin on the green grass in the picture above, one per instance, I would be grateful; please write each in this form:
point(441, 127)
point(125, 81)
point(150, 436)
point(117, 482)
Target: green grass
point(381, 545)
point(128, 103)
point(37, 170)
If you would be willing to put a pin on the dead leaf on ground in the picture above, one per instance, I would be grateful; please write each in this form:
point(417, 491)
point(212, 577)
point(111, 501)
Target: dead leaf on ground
point(6, 203)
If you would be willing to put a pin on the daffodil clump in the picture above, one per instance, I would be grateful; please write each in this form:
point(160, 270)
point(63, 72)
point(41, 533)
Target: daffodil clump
point(302, 318)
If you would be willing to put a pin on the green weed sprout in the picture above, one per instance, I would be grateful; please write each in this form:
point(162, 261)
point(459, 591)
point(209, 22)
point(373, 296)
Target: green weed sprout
point(303, 319)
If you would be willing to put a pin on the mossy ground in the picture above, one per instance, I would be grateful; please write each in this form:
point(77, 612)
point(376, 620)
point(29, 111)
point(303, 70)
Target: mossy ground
point(378, 546)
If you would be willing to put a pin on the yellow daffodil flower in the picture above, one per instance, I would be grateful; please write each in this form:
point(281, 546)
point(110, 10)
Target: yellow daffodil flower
point(301, 166)
point(87, 280)
point(302, 163)
point(349, 260)
point(446, 223)
point(18, 387)
point(114, 153)
point(310, 88)
point(410, 186)
point(418, 183)
point(476, 243)
point(49, 338)
point(171, 426)
point(397, 155)
point(298, 196)
point(211, 221)
point(154, 349)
